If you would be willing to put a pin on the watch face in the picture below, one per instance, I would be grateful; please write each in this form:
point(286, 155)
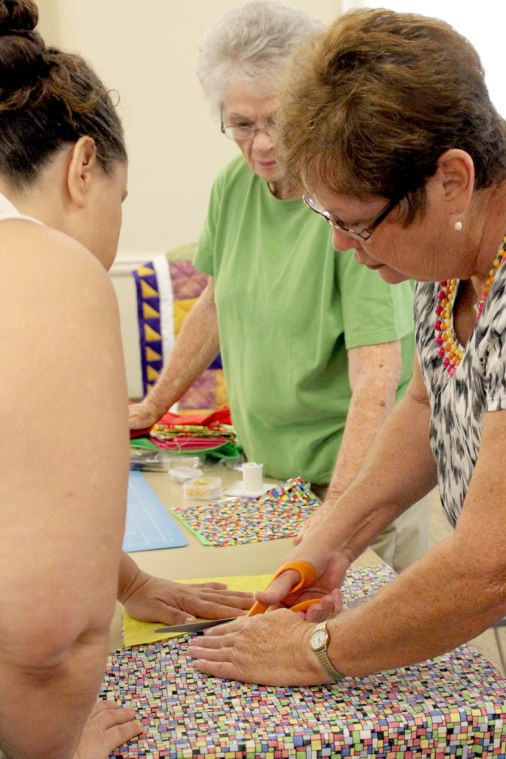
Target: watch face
point(318, 639)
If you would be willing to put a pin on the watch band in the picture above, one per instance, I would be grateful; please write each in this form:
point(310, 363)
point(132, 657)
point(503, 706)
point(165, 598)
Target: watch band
point(327, 664)
point(321, 653)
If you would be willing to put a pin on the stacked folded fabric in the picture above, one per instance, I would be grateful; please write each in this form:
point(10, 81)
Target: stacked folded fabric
point(211, 434)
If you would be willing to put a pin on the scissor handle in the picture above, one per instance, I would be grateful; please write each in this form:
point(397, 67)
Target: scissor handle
point(307, 574)
point(303, 605)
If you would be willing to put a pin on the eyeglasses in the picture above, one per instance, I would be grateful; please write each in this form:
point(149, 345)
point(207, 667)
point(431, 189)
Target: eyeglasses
point(244, 130)
point(362, 234)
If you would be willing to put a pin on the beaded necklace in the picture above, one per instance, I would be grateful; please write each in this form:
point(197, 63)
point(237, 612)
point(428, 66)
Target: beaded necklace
point(450, 349)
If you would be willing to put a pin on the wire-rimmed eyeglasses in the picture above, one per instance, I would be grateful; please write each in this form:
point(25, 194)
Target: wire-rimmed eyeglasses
point(363, 234)
point(244, 130)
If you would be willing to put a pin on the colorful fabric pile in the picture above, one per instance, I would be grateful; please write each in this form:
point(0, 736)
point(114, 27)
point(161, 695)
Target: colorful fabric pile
point(208, 433)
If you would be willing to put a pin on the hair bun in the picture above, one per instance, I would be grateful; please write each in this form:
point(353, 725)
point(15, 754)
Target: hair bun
point(21, 49)
point(18, 16)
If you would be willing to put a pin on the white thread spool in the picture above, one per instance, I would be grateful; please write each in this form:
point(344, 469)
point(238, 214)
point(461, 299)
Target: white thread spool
point(252, 477)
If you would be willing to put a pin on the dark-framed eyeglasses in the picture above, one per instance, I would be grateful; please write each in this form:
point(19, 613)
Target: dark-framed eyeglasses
point(363, 234)
point(244, 130)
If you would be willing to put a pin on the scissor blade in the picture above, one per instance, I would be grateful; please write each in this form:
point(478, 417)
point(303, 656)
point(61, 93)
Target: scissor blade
point(202, 624)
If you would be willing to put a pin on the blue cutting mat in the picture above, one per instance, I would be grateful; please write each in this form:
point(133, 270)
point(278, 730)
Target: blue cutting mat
point(148, 525)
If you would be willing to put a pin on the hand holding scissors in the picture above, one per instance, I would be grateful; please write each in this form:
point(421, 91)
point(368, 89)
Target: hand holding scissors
point(272, 648)
point(307, 574)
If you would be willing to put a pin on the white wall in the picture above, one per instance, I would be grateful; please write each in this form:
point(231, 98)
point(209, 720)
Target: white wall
point(148, 52)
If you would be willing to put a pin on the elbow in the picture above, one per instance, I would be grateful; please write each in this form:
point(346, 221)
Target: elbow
point(376, 369)
point(483, 575)
point(44, 642)
point(376, 389)
point(495, 592)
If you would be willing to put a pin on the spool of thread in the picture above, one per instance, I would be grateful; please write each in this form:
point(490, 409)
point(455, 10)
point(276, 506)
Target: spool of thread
point(252, 476)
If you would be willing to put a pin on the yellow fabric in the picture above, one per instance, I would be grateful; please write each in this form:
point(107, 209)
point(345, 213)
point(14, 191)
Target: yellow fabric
point(149, 312)
point(152, 355)
point(150, 334)
point(136, 632)
point(147, 290)
point(145, 271)
point(181, 310)
point(152, 373)
point(221, 388)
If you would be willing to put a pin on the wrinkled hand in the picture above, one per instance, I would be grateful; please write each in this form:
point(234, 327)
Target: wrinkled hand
point(107, 727)
point(278, 596)
point(269, 649)
point(330, 566)
point(154, 599)
point(141, 415)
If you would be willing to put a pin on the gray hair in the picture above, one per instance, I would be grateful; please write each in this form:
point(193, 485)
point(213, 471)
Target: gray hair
point(251, 43)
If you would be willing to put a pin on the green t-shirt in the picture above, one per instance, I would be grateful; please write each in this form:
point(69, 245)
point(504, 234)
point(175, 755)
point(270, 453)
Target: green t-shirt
point(289, 306)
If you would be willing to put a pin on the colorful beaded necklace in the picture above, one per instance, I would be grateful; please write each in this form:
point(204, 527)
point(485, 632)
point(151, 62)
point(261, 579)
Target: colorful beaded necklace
point(450, 349)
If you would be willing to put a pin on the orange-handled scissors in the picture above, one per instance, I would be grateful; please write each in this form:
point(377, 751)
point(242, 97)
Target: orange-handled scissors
point(307, 574)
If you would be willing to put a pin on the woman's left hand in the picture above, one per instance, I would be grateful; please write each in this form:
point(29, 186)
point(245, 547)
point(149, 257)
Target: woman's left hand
point(154, 599)
point(108, 726)
point(269, 649)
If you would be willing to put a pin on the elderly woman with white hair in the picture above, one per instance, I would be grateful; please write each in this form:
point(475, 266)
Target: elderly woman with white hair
point(315, 348)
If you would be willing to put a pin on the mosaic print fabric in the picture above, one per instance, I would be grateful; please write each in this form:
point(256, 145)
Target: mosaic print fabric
point(278, 513)
point(452, 706)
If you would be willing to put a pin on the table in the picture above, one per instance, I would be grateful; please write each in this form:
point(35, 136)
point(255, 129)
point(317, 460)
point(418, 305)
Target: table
point(452, 706)
point(198, 561)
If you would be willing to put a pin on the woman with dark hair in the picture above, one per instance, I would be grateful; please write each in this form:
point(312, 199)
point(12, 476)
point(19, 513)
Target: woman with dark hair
point(387, 122)
point(63, 177)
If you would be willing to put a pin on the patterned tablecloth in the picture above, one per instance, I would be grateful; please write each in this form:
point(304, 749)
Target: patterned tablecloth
point(451, 706)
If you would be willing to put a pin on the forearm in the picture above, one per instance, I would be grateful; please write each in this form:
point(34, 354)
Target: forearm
point(45, 705)
point(196, 347)
point(373, 397)
point(398, 470)
point(442, 601)
point(451, 594)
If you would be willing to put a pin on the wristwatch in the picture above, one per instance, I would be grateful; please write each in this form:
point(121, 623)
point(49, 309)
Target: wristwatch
point(319, 641)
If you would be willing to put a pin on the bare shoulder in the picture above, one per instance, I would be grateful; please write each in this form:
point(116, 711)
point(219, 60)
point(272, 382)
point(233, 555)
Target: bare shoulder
point(59, 316)
point(48, 262)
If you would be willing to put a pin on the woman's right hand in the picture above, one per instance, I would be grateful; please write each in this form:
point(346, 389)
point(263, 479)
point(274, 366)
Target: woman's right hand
point(107, 727)
point(142, 415)
point(331, 566)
